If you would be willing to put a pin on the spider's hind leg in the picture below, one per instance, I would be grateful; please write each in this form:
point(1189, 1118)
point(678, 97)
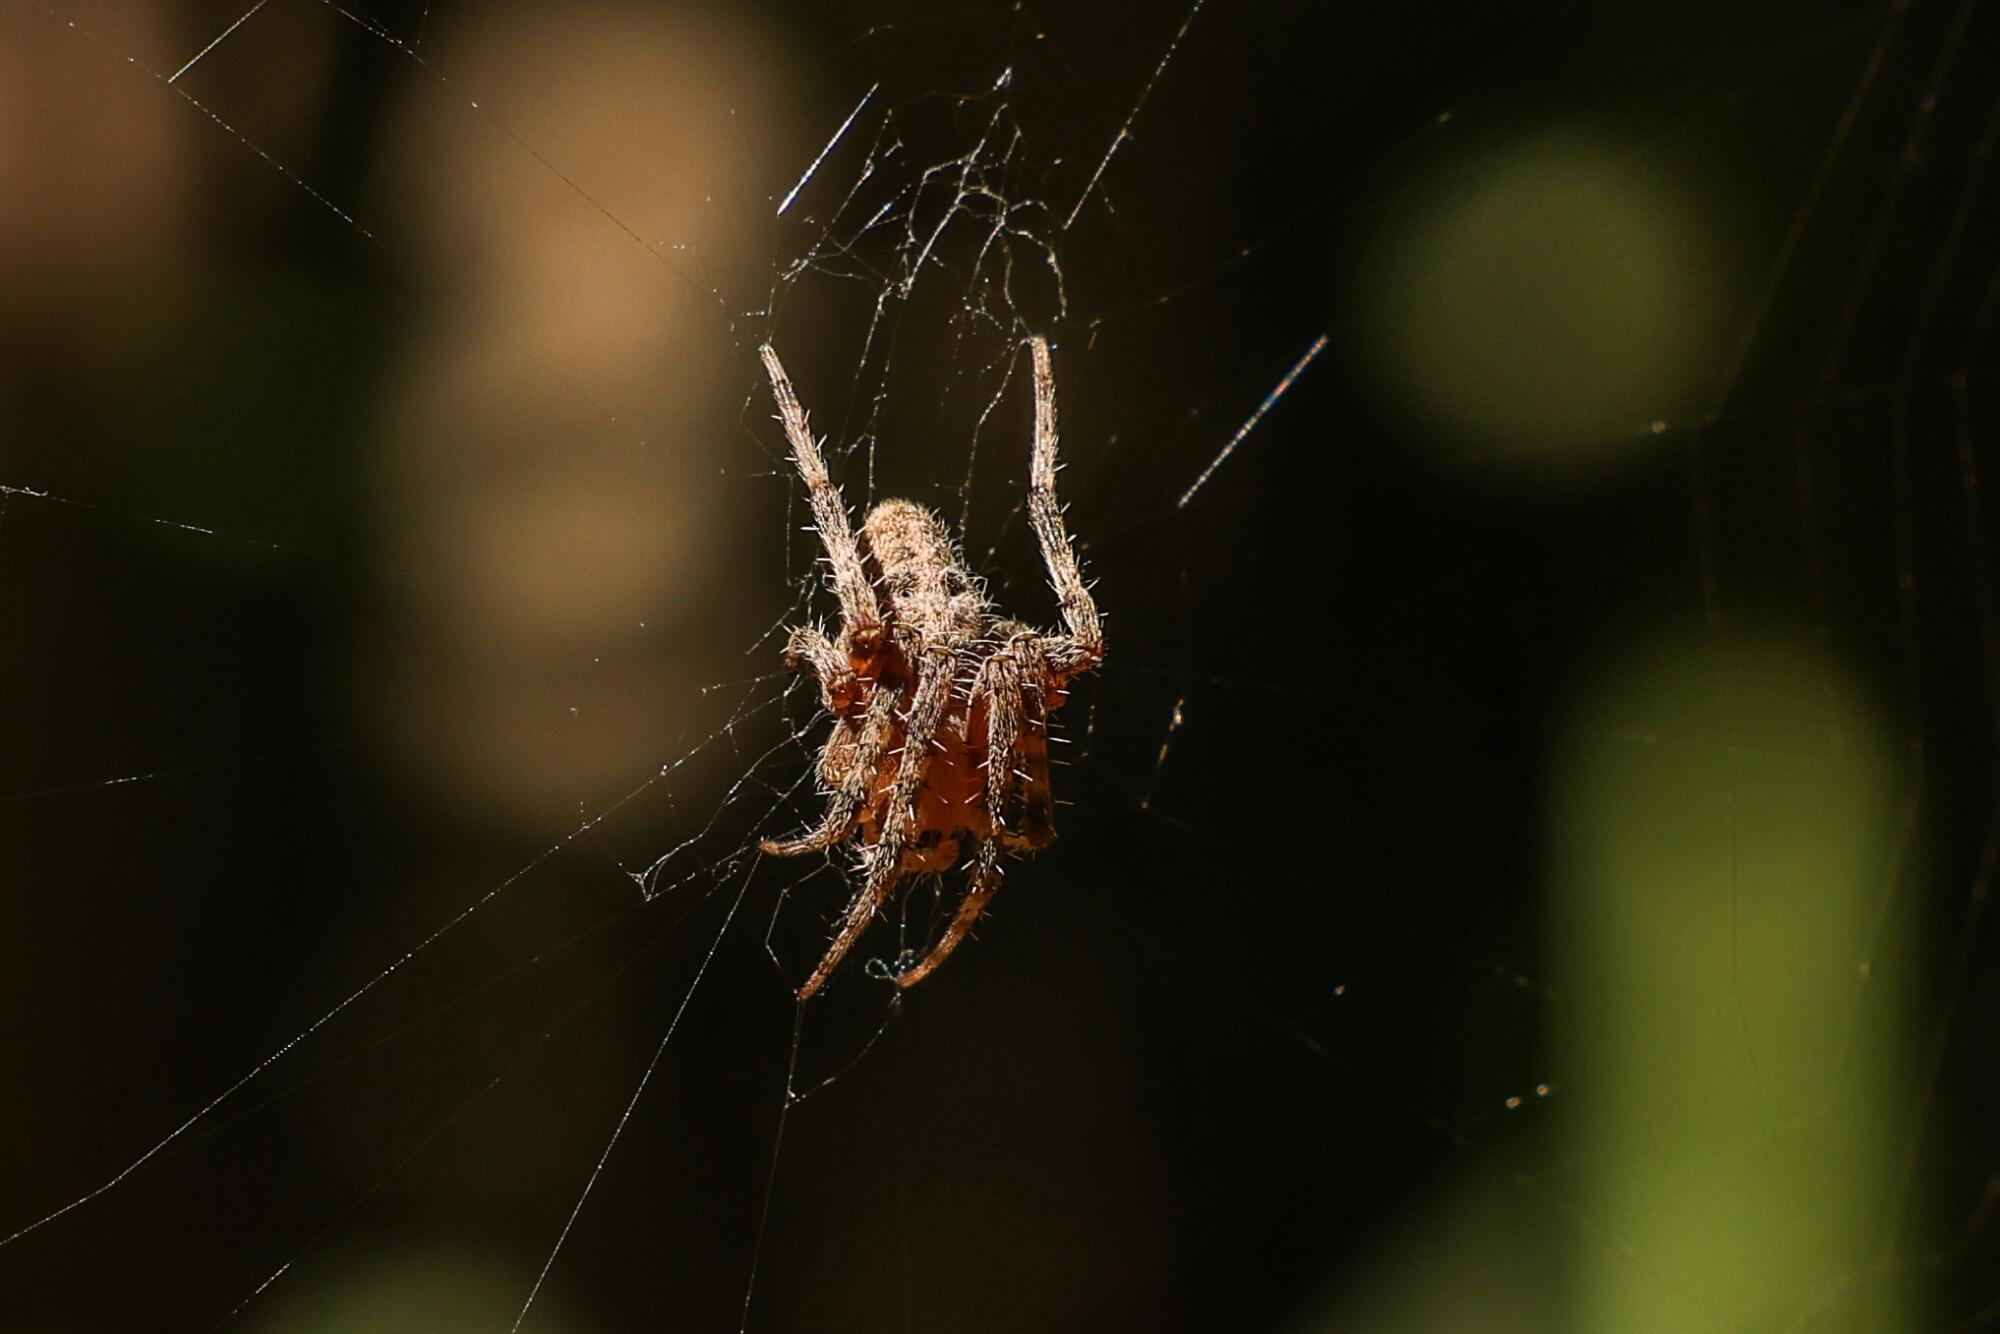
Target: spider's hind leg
point(884, 860)
point(853, 792)
point(985, 884)
point(1000, 686)
point(881, 861)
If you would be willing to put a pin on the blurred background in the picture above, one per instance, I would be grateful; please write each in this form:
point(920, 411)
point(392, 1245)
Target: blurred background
point(1525, 859)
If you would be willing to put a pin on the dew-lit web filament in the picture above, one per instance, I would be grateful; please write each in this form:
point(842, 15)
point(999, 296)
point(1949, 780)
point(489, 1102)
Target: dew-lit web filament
point(1278, 391)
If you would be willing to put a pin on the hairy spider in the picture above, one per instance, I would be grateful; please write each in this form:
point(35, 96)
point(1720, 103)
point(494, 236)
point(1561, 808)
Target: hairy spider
point(941, 707)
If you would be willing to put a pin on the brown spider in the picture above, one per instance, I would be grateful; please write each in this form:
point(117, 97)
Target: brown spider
point(941, 707)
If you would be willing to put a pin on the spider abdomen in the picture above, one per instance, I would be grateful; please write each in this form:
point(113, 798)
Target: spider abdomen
point(952, 799)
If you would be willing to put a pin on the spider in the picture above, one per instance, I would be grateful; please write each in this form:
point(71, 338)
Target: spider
point(941, 706)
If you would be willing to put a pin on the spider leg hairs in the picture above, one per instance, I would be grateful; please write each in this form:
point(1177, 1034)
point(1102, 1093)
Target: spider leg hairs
point(941, 706)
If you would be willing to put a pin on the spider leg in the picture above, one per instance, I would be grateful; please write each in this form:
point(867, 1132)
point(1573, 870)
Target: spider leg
point(847, 801)
point(808, 646)
point(884, 860)
point(1083, 647)
point(860, 613)
point(985, 884)
point(835, 825)
point(881, 862)
point(1000, 684)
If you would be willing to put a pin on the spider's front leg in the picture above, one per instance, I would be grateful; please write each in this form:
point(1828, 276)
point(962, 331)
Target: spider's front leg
point(884, 859)
point(860, 612)
point(1082, 649)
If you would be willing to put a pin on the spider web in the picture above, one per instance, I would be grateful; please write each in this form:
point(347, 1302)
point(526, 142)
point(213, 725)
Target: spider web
point(399, 553)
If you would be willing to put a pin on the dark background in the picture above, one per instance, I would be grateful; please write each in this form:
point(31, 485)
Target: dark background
point(1273, 988)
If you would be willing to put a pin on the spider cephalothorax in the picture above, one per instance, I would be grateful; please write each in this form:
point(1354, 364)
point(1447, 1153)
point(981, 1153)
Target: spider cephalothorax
point(940, 706)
